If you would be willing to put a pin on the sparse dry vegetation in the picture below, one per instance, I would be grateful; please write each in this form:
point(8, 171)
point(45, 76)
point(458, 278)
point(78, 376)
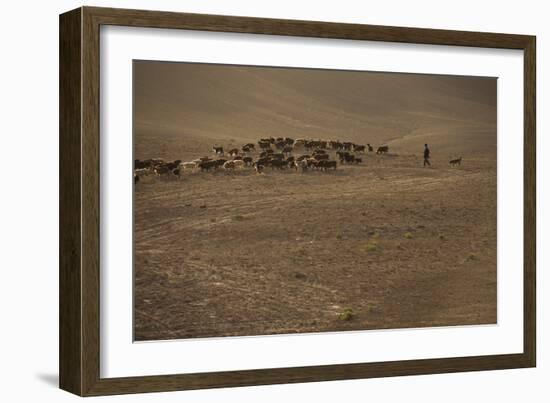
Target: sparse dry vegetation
point(234, 253)
point(372, 246)
point(347, 314)
point(267, 256)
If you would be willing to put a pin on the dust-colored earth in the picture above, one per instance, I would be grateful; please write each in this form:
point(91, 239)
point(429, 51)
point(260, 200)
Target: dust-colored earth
point(383, 244)
point(220, 254)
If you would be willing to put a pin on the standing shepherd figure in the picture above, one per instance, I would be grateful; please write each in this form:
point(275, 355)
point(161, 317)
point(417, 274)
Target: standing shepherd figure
point(426, 155)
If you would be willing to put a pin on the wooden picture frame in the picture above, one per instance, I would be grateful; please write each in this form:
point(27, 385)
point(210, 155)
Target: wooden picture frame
point(79, 346)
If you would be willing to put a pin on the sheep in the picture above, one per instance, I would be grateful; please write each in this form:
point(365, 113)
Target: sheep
point(229, 165)
point(278, 156)
point(262, 161)
point(302, 164)
point(208, 165)
point(138, 164)
point(219, 162)
point(347, 145)
point(162, 170)
point(278, 164)
point(188, 166)
point(320, 157)
point(259, 168)
point(143, 171)
point(311, 162)
point(239, 164)
point(326, 164)
point(287, 149)
point(264, 145)
point(382, 150)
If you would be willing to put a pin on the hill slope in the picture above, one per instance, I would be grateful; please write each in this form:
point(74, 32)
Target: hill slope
point(195, 105)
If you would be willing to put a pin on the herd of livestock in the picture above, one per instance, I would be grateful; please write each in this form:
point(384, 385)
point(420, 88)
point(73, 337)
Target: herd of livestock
point(275, 153)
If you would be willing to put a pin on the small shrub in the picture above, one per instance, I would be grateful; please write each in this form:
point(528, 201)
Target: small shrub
point(408, 235)
point(347, 314)
point(240, 217)
point(372, 244)
point(442, 237)
point(372, 247)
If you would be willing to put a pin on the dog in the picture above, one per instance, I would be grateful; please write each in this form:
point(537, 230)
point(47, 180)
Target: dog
point(455, 162)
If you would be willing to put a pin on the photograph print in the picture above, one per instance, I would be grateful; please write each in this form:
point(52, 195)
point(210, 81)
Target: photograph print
point(275, 200)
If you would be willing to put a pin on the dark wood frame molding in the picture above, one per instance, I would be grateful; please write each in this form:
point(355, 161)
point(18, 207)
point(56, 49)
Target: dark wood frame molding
point(79, 201)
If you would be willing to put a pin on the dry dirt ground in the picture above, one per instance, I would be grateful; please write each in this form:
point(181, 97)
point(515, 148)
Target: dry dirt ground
point(384, 244)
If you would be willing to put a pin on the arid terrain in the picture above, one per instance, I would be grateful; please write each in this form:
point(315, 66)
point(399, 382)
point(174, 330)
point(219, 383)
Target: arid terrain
point(385, 243)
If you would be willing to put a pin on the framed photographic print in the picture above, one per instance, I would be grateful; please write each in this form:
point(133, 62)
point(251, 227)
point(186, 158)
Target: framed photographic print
point(249, 201)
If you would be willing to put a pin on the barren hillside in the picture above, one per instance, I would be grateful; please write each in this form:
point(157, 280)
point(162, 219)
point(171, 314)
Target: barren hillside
point(385, 243)
point(182, 105)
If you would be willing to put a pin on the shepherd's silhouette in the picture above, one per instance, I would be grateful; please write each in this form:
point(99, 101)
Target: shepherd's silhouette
point(426, 155)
